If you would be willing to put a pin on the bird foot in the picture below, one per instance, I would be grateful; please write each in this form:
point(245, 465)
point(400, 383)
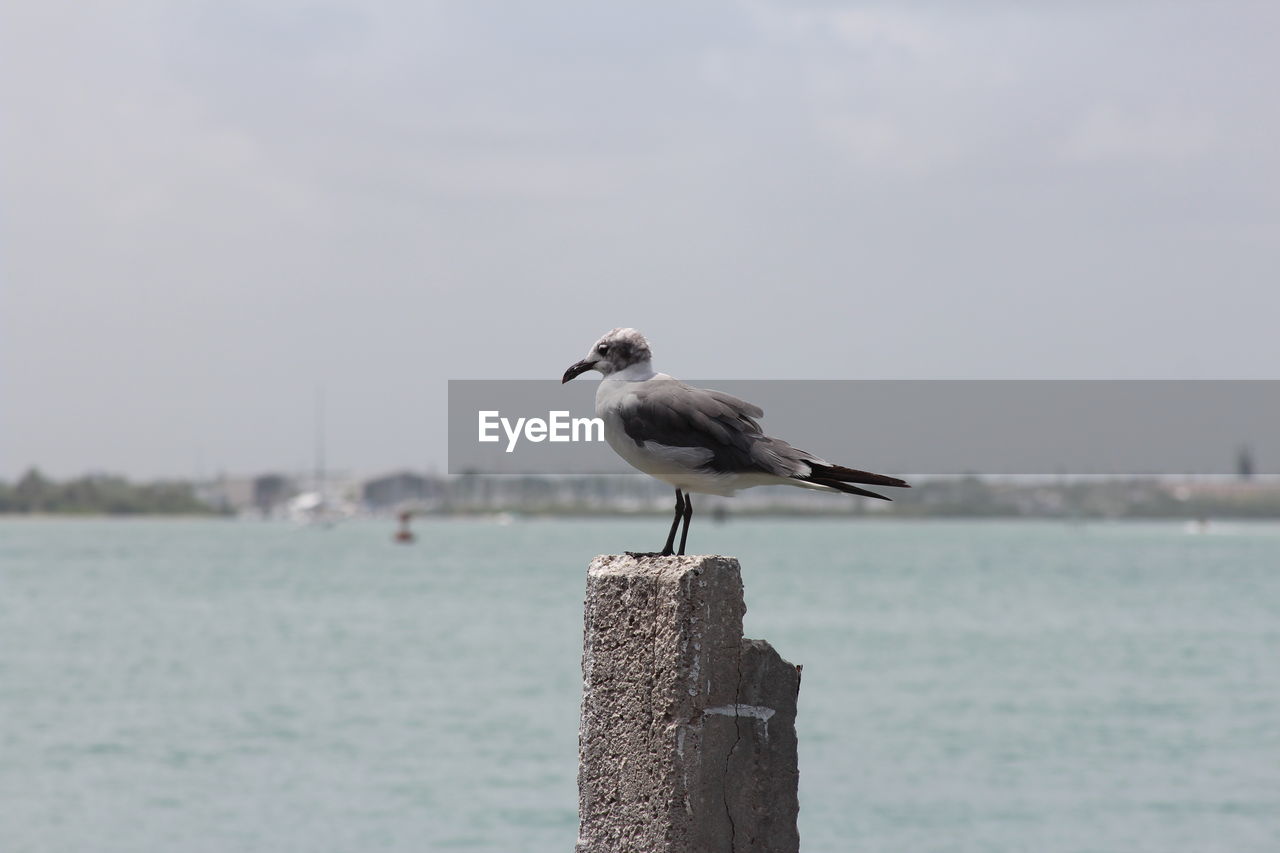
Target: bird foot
point(642, 554)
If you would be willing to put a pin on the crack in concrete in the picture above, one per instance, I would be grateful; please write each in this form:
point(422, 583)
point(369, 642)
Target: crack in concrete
point(737, 729)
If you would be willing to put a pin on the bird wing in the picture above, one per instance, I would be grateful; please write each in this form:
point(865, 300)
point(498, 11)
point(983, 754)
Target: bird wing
point(669, 413)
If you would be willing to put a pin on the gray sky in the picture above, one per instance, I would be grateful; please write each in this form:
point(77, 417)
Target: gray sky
point(211, 208)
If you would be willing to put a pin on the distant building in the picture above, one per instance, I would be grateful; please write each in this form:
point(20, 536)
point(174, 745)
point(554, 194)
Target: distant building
point(270, 491)
point(1244, 464)
point(399, 488)
point(226, 494)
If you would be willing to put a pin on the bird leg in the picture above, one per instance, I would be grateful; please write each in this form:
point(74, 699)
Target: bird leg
point(688, 514)
point(669, 548)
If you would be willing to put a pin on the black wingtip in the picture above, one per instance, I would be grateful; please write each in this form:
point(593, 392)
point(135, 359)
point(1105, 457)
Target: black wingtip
point(841, 474)
point(846, 488)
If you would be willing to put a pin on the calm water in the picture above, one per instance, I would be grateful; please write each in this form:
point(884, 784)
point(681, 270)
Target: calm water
point(224, 686)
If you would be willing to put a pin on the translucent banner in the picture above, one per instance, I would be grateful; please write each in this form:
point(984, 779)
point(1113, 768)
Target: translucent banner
point(921, 427)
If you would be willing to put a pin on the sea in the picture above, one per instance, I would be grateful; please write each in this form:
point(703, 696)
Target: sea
point(220, 686)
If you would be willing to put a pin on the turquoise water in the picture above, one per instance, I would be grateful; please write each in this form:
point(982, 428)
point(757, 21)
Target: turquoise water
point(968, 686)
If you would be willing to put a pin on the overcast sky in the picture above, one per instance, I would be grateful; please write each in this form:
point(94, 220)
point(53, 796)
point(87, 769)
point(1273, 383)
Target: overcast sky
point(210, 209)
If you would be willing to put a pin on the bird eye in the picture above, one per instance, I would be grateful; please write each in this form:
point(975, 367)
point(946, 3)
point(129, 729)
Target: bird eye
point(602, 349)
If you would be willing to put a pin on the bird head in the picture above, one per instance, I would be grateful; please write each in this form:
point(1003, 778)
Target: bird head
point(616, 350)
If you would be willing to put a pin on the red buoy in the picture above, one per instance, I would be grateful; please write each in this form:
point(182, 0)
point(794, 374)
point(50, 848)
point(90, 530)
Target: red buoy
point(404, 534)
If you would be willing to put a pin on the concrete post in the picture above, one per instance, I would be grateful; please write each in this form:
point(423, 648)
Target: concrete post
point(687, 741)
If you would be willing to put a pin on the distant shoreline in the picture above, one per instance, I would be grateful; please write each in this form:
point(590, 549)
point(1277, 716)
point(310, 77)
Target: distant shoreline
point(531, 516)
point(279, 497)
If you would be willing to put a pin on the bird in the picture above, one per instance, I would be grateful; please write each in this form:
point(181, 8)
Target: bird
point(696, 439)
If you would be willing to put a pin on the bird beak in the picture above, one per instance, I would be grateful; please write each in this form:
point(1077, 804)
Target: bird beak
point(577, 370)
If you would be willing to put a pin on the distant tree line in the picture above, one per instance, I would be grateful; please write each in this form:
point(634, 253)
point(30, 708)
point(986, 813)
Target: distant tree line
point(98, 494)
point(1137, 498)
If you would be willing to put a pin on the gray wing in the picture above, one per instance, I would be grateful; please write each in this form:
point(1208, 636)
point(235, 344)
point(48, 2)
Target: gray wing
point(668, 412)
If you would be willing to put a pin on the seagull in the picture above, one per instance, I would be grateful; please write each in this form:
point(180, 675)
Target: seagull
point(695, 439)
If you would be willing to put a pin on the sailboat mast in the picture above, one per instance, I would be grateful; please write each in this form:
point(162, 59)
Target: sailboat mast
point(320, 441)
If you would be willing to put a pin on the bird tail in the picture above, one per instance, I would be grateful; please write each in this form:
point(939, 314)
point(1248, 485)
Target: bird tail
point(840, 478)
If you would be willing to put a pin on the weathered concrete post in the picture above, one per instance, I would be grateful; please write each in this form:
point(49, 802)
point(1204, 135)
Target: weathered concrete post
point(687, 740)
